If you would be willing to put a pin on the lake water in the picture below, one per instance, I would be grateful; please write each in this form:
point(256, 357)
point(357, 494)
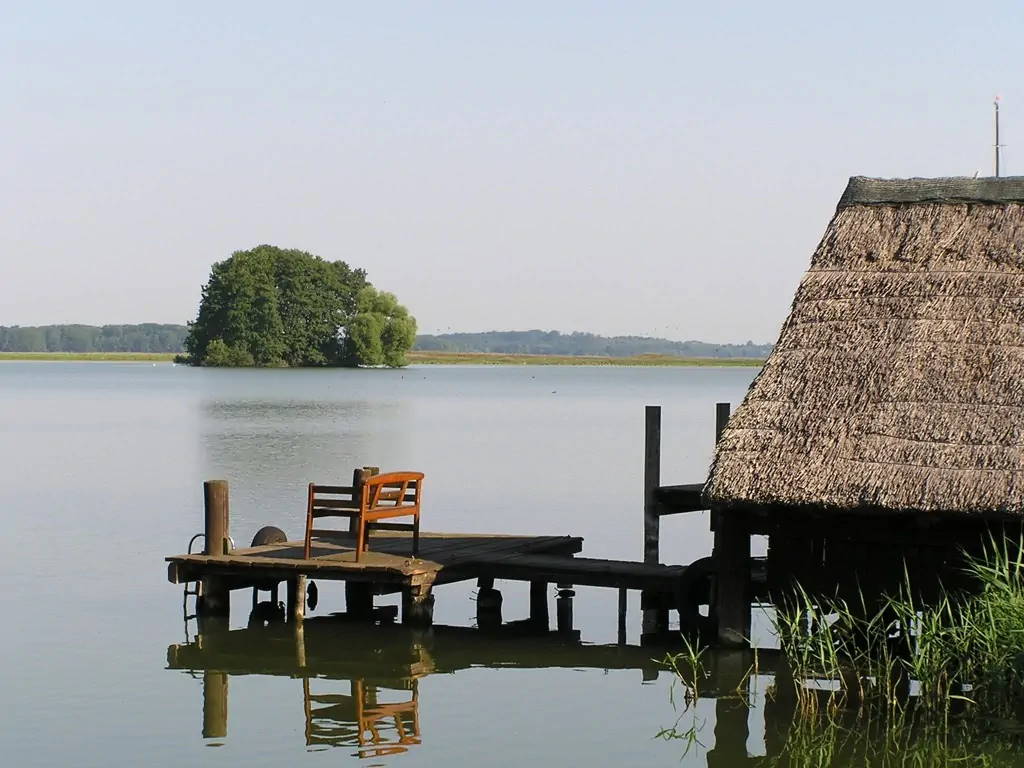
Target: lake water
point(101, 471)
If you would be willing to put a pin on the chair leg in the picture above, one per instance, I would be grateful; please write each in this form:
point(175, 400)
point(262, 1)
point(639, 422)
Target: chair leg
point(416, 536)
point(360, 538)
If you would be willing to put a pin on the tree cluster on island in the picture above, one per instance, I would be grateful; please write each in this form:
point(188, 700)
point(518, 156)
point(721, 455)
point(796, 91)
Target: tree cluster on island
point(276, 307)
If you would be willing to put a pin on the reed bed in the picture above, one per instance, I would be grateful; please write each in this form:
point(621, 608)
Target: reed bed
point(963, 651)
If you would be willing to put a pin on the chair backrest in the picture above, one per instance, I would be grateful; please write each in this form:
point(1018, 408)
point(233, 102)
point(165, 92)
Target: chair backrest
point(392, 490)
point(331, 501)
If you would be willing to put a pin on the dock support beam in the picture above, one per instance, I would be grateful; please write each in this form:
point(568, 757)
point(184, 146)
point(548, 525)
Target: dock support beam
point(563, 607)
point(655, 617)
point(539, 604)
point(623, 597)
point(215, 598)
point(488, 604)
point(296, 598)
point(732, 563)
point(359, 599)
point(418, 605)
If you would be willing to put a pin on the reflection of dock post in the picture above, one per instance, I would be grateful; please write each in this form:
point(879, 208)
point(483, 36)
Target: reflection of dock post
point(215, 705)
point(299, 630)
point(729, 670)
point(563, 607)
point(655, 616)
point(215, 599)
point(539, 604)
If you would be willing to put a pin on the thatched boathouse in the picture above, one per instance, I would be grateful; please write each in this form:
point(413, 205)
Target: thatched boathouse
point(887, 425)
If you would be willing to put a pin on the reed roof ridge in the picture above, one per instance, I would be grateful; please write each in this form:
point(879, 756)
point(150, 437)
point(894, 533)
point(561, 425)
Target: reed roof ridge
point(865, 190)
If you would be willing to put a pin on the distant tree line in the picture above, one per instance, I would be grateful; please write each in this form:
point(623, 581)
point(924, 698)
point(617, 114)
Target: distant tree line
point(554, 343)
point(367, 338)
point(144, 337)
point(273, 307)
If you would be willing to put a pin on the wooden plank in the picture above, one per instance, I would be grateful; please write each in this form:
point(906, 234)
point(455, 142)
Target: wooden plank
point(336, 490)
point(676, 499)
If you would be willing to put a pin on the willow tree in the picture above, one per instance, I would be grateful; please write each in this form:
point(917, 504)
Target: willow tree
point(271, 306)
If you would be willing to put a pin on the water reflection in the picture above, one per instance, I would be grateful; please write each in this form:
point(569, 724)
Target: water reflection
point(360, 682)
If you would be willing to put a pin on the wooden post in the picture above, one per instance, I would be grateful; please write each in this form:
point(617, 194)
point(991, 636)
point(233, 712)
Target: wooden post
point(215, 599)
point(539, 604)
point(215, 705)
point(563, 607)
point(623, 596)
point(297, 598)
point(732, 563)
point(418, 605)
point(655, 617)
point(652, 479)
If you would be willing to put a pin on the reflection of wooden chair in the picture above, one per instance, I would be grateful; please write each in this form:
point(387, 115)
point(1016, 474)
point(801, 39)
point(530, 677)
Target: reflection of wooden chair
point(377, 728)
point(394, 494)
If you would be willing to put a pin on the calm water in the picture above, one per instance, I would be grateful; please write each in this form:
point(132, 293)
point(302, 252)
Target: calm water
point(101, 468)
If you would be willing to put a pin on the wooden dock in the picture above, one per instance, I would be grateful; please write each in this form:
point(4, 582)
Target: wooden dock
point(443, 558)
point(726, 581)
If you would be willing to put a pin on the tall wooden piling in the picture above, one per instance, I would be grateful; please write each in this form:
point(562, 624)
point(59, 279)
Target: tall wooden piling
point(215, 598)
point(655, 616)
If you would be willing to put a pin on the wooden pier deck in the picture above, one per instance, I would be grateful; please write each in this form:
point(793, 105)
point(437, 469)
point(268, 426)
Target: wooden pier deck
point(443, 558)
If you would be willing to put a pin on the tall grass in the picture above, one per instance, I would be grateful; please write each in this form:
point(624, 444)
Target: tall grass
point(961, 650)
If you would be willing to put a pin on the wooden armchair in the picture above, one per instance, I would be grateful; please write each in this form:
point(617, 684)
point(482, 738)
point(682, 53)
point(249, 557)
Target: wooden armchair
point(393, 494)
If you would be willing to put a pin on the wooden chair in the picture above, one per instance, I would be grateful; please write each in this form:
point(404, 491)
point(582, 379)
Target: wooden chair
point(393, 494)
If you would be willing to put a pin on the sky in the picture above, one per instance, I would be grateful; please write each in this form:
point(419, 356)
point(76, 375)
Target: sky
point(650, 168)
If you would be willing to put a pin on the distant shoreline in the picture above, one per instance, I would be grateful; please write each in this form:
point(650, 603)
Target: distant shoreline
point(423, 358)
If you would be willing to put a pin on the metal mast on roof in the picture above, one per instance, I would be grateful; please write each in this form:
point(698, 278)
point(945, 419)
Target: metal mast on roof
point(997, 144)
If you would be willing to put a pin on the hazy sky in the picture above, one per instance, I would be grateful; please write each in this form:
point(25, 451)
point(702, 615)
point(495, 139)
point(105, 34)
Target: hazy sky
point(645, 168)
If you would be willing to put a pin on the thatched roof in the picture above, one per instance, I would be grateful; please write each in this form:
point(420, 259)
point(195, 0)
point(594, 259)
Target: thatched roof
point(897, 383)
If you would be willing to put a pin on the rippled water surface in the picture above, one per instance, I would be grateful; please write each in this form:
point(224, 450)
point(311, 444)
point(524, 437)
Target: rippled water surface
point(101, 470)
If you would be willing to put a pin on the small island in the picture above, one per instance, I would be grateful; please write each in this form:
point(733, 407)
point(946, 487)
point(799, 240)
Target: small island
point(272, 307)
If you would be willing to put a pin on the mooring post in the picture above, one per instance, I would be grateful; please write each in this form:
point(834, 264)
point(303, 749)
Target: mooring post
point(563, 607)
point(655, 615)
point(216, 598)
point(539, 604)
point(215, 705)
point(297, 598)
point(732, 563)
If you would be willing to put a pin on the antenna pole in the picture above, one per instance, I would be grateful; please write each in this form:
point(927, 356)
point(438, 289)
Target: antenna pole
point(996, 103)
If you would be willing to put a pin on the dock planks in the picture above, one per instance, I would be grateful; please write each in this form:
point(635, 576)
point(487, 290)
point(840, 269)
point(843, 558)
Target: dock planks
point(444, 557)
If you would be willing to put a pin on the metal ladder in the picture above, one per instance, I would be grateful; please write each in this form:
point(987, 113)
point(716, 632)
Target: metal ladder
point(193, 588)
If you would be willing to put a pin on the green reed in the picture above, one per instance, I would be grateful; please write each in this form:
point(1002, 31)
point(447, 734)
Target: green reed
point(963, 650)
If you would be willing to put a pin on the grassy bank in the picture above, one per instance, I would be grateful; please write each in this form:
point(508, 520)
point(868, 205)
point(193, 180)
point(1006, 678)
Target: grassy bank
point(124, 357)
point(420, 357)
point(426, 358)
